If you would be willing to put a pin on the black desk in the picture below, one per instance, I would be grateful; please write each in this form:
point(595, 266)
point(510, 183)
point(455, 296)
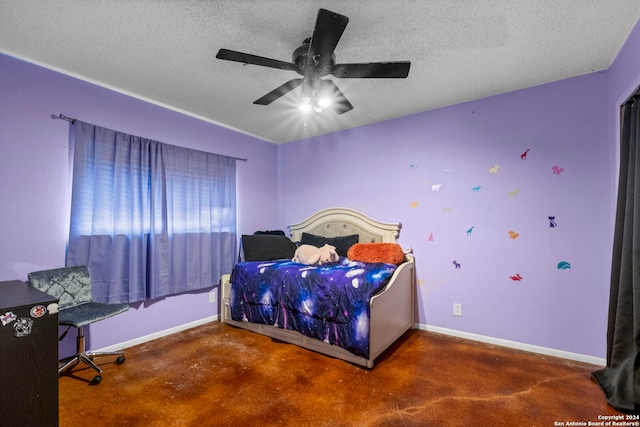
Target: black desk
point(28, 356)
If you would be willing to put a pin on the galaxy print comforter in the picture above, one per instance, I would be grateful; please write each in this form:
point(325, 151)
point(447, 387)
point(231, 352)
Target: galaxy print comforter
point(328, 302)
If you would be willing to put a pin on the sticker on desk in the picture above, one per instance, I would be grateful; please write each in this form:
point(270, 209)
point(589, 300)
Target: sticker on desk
point(37, 311)
point(7, 318)
point(23, 327)
point(53, 308)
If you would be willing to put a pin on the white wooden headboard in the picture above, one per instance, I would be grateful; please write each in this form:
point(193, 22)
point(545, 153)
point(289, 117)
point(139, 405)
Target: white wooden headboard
point(335, 222)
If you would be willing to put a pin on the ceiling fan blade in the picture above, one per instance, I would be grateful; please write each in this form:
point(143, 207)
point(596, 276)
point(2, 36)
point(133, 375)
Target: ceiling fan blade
point(327, 33)
point(380, 70)
point(278, 92)
point(245, 58)
point(339, 102)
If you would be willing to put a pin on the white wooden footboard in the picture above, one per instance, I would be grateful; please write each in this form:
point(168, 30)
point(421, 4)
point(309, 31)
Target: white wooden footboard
point(392, 310)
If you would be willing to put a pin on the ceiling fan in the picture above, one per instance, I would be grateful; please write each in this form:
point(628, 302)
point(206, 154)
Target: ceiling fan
point(316, 59)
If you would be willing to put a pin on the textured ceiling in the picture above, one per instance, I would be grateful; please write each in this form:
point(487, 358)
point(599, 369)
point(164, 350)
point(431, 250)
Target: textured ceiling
point(163, 51)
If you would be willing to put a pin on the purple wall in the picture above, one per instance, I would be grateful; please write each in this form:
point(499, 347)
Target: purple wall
point(624, 79)
point(34, 194)
point(387, 170)
point(625, 70)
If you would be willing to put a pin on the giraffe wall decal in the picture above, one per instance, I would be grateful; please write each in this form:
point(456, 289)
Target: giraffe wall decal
point(523, 156)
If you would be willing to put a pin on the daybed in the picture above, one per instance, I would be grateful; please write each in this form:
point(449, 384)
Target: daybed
point(391, 305)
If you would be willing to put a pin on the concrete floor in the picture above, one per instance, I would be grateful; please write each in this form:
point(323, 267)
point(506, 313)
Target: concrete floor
point(218, 375)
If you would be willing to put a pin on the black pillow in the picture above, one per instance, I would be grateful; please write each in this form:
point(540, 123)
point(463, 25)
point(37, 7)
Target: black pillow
point(266, 247)
point(276, 232)
point(342, 243)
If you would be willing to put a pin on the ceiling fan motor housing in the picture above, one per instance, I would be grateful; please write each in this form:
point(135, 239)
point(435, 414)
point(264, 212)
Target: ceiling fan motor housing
point(311, 67)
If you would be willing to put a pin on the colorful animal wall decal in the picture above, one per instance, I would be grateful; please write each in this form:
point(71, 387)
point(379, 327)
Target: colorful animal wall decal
point(452, 188)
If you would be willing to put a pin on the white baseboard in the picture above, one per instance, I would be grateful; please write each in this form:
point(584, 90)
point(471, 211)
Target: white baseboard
point(452, 332)
point(517, 345)
point(159, 334)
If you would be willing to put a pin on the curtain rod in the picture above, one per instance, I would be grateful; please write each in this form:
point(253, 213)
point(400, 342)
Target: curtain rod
point(73, 122)
point(63, 117)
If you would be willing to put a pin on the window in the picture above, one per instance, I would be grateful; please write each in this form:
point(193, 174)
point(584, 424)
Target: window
point(149, 219)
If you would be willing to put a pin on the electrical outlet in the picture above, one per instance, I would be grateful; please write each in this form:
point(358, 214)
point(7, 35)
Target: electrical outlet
point(457, 309)
point(212, 297)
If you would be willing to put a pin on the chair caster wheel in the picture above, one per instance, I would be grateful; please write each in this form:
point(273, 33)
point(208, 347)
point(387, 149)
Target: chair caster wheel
point(120, 360)
point(96, 380)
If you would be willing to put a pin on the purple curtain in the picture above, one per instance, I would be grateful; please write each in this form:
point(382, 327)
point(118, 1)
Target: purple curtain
point(149, 219)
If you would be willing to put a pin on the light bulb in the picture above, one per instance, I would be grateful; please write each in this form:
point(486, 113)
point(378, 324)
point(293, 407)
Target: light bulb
point(306, 104)
point(324, 102)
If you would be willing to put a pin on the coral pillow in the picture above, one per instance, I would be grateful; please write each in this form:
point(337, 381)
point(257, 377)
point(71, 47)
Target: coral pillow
point(390, 253)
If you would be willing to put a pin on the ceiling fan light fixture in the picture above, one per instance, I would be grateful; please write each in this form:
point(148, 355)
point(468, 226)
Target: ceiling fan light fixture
point(314, 99)
point(315, 103)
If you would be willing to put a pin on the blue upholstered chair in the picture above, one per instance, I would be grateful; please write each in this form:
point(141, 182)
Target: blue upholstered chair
point(72, 287)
